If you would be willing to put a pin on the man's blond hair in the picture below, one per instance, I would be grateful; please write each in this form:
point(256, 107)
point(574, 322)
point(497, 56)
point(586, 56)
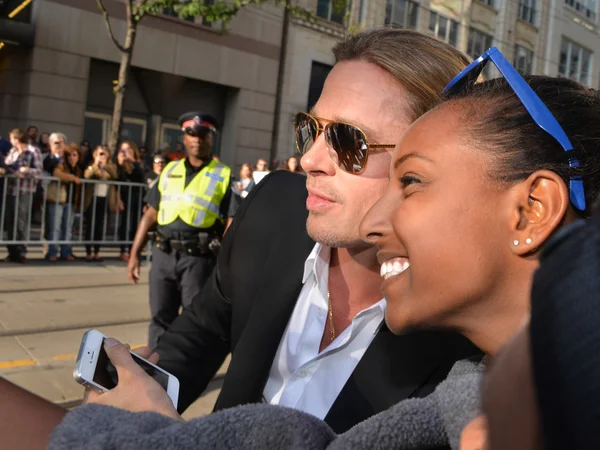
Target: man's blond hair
point(422, 64)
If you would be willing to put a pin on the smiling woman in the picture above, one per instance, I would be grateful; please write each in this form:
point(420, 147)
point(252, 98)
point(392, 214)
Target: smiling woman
point(476, 189)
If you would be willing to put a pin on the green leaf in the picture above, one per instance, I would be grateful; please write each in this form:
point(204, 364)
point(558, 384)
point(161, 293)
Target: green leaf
point(224, 11)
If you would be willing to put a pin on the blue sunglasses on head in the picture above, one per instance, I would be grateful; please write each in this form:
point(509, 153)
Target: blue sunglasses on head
point(532, 103)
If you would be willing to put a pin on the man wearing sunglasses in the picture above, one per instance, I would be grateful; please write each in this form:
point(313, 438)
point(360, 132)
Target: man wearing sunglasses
point(295, 295)
point(190, 203)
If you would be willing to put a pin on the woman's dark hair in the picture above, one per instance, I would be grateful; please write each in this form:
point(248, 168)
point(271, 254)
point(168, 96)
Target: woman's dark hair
point(499, 123)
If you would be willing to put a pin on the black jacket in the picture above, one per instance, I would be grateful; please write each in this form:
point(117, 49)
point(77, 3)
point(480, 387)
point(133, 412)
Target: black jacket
point(247, 303)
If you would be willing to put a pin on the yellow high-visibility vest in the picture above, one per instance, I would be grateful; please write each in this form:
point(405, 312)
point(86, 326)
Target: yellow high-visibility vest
point(198, 204)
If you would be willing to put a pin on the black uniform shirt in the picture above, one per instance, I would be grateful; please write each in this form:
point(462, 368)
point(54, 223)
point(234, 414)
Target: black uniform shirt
point(228, 208)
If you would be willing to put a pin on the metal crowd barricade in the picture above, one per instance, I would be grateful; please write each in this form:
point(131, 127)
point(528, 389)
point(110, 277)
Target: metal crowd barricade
point(117, 226)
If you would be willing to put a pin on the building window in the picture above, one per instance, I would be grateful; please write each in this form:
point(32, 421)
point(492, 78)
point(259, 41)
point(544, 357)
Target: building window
point(443, 28)
point(331, 10)
point(478, 43)
point(491, 3)
point(171, 134)
point(97, 127)
point(587, 8)
point(523, 60)
point(575, 62)
point(318, 74)
point(401, 13)
point(527, 11)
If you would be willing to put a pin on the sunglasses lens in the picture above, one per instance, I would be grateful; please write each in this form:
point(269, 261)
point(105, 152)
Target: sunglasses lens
point(350, 146)
point(305, 130)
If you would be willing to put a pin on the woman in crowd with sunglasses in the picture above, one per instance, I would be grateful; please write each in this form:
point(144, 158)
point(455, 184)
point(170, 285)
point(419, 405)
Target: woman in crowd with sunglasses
point(158, 164)
point(477, 187)
point(99, 198)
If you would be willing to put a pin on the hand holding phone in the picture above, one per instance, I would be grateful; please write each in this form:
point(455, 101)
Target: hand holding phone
point(126, 380)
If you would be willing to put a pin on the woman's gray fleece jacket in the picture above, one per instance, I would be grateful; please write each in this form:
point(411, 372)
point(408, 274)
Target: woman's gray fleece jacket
point(420, 423)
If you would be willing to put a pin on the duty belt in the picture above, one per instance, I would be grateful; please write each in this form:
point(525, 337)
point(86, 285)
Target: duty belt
point(200, 244)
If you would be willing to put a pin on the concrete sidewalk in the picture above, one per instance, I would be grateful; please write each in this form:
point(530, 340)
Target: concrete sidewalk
point(45, 309)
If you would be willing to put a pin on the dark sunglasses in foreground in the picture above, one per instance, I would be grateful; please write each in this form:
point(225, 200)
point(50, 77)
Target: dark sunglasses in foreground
point(538, 111)
point(348, 145)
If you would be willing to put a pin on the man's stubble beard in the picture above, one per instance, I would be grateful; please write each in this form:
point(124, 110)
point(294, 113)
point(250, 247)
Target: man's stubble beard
point(334, 236)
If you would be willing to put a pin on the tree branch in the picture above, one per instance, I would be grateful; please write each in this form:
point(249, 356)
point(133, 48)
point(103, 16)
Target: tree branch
point(129, 11)
point(108, 27)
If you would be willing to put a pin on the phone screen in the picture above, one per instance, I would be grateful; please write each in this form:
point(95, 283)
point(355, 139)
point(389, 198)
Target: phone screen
point(106, 374)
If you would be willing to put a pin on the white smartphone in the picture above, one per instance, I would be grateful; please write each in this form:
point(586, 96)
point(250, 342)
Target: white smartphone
point(94, 369)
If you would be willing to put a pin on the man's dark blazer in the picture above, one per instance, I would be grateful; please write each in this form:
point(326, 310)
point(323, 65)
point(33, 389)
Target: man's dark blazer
point(247, 303)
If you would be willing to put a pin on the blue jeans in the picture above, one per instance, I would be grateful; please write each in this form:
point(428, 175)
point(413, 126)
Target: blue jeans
point(60, 228)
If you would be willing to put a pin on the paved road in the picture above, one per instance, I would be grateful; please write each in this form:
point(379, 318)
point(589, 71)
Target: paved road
point(45, 309)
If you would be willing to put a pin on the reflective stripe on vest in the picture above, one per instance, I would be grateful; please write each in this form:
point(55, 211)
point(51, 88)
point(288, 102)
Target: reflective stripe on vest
point(169, 170)
point(198, 204)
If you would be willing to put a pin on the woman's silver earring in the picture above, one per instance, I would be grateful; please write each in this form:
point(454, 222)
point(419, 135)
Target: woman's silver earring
point(528, 241)
point(516, 242)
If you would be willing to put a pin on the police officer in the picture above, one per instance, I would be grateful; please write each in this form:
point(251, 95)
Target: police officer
point(189, 203)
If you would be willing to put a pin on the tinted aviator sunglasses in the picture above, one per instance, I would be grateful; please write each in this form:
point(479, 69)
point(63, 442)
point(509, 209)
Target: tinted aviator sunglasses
point(347, 144)
point(538, 111)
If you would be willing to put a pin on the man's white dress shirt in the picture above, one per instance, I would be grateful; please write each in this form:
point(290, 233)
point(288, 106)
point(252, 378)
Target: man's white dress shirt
point(301, 377)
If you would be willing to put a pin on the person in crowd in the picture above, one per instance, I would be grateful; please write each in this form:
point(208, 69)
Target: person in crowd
point(62, 202)
point(190, 204)
point(176, 153)
point(158, 164)
point(245, 183)
point(292, 165)
point(99, 198)
point(25, 163)
point(242, 187)
point(32, 135)
point(147, 159)
point(44, 144)
point(261, 165)
point(38, 197)
point(5, 147)
point(129, 170)
point(56, 194)
point(85, 154)
point(57, 144)
point(261, 171)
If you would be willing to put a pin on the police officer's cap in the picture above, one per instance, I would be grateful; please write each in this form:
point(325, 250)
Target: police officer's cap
point(196, 122)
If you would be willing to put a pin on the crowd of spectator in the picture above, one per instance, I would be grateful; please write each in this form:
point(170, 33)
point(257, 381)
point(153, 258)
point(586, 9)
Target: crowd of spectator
point(27, 155)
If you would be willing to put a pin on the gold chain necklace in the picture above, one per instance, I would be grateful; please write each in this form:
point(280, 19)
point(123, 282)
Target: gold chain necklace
point(330, 314)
